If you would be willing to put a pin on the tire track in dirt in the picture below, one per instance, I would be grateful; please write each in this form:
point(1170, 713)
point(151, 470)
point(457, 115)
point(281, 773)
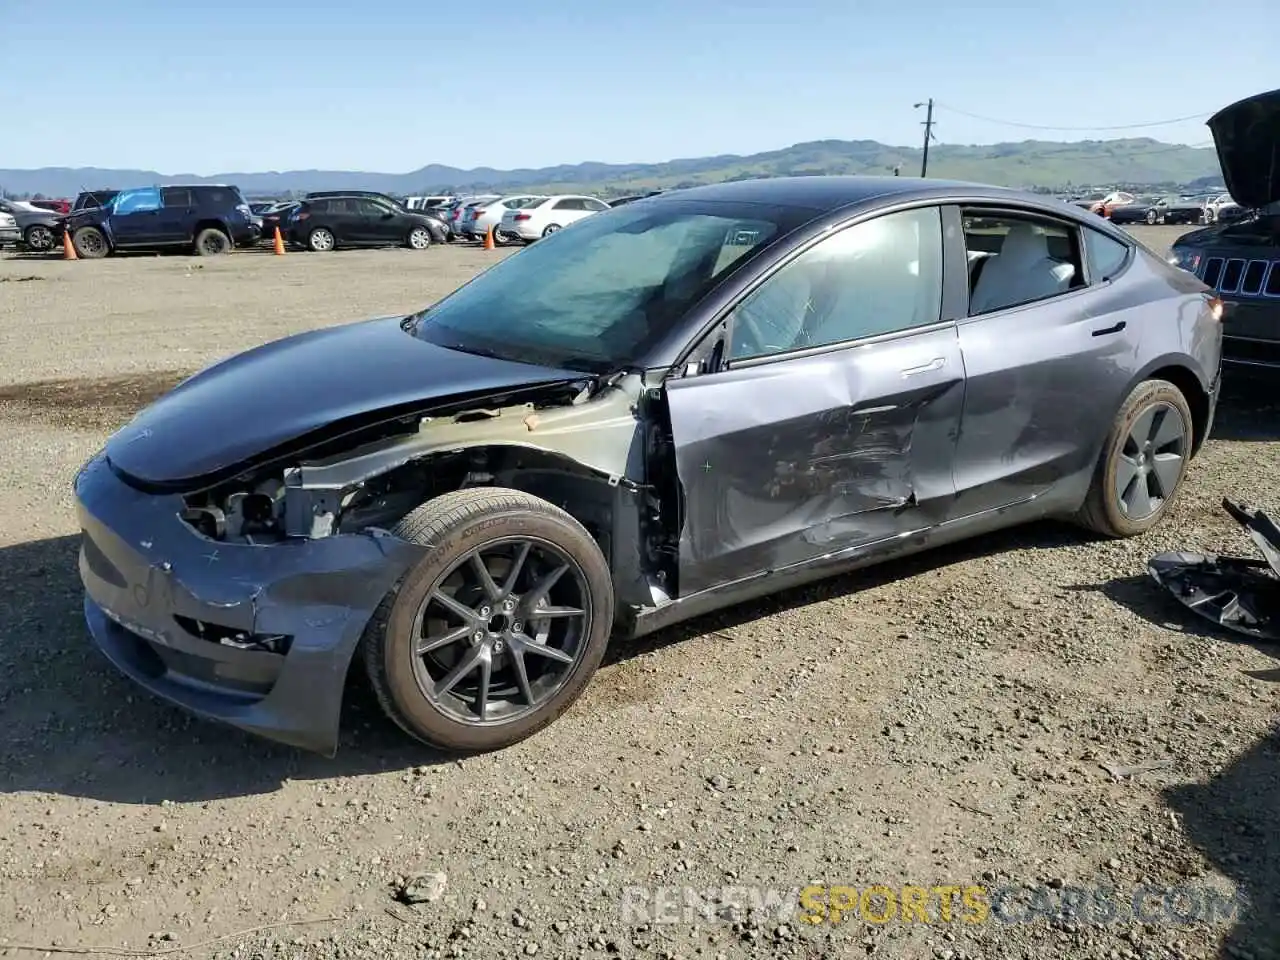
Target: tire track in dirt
point(87, 403)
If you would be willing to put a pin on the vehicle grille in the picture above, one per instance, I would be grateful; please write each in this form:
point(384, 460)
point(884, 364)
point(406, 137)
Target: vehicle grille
point(1239, 277)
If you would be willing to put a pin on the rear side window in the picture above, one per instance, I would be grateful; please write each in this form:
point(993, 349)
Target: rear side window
point(1106, 255)
point(177, 197)
point(1016, 259)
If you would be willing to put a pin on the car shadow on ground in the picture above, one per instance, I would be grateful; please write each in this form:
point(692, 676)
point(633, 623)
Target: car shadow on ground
point(70, 724)
point(1232, 821)
point(1233, 818)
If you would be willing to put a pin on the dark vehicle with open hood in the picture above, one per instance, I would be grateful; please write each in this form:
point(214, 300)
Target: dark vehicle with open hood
point(668, 408)
point(1241, 259)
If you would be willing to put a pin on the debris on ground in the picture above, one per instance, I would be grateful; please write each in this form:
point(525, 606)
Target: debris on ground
point(1239, 593)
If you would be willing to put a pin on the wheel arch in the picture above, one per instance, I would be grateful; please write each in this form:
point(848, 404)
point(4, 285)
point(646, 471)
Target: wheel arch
point(210, 223)
point(1190, 384)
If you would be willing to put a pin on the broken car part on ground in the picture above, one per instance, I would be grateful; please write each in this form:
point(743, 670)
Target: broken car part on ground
point(1239, 593)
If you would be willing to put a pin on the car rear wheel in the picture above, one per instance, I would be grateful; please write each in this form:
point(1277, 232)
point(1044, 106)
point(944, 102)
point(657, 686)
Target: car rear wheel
point(38, 238)
point(320, 240)
point(212, 242)
point(499, 627)
point(1143, 462)
point(419, 238)
point(90, 243)
point(551, 228)
point(1151, 217)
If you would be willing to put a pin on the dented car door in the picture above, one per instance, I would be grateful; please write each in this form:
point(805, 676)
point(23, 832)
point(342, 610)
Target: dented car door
point(832, 423)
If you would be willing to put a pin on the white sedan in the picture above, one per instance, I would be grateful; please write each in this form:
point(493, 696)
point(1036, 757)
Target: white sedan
point(544, 217)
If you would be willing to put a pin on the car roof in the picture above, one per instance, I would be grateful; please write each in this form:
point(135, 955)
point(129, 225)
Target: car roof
point(823, 193)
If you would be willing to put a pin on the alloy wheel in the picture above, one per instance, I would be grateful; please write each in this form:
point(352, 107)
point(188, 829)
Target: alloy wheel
point(419, 238)
point(321, 241)
point(40, 238)
point(1150, 464)
point(501, 631)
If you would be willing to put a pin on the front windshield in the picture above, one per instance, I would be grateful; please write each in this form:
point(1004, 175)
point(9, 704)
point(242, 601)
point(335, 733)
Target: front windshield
point(595, 295)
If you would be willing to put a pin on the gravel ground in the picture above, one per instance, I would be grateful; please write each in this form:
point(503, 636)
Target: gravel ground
point(942, 720)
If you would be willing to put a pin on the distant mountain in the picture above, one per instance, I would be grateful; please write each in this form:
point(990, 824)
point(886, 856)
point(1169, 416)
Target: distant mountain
point(1031, 163)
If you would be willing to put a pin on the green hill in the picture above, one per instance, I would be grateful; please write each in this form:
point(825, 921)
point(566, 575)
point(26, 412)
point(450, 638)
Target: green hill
point(1030, 163)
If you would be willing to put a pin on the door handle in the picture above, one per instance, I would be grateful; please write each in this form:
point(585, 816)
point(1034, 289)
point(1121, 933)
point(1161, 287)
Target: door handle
point(937, 363)
point(1106, 330)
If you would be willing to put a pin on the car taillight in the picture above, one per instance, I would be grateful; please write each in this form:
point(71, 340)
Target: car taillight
point(301, 215)
point(523, 216)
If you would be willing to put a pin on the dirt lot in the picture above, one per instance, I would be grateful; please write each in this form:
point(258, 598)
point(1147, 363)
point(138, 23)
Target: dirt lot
point(938, 721)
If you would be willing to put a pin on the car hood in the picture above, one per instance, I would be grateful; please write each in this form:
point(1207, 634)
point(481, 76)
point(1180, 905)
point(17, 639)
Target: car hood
point(290, 394)
point(1247, 136)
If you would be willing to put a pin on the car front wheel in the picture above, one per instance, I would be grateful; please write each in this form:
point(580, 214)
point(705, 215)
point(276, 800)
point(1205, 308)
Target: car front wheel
point(419, 238)
point(1143, 462)
point(90, 243)
point(499, 627)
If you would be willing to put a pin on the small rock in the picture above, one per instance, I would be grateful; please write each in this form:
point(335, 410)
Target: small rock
point(422, 888)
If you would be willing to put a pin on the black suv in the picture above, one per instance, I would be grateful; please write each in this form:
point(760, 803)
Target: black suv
point(357, 219)
point(208, 219)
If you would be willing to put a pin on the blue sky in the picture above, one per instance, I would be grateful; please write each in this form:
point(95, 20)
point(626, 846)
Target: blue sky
point(389, 86)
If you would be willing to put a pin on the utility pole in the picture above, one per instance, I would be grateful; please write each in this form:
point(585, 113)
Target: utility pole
point(928, 135)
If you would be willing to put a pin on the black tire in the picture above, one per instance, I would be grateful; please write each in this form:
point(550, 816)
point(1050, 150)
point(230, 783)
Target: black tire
point(1102, 511)
point(90, 243)
point(454, 525)
point(1152, 217)
point(38, 238)
point(212, 242)
point(321, 240)
point(551, 228)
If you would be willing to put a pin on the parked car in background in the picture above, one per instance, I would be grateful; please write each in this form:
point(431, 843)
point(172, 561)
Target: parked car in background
point(481, 216)
point(677, 407)
point(57, 206)
point(460, 209)
point(39, 230)
point(9, 232)
point(274, 218)
point(1241, 259)
point(208, 219)
point(329, 221)
point(1190, 209)
point(426, 203)
point(93, 198)
point(1146, 209)
point(1233, 213)
point(544, 217)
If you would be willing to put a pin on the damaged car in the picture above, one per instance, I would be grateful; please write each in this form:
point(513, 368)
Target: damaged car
point(1241, 259)
point(676, 406)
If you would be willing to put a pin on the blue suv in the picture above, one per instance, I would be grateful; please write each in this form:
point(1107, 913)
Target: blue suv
point(207, 219)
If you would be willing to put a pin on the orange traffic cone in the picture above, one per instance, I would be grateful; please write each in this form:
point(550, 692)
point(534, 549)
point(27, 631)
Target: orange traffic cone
point(279, 244)
point(488, 240)
point(68, 248)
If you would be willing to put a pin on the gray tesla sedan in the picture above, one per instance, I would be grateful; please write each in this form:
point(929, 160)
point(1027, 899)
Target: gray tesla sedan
point(667, 408)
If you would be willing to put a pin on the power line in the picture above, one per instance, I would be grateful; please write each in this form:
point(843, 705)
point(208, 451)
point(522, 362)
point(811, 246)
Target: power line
point(1040, 126)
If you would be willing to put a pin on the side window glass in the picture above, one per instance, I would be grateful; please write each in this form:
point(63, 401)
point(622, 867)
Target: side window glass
point(880, 276)
point(1107, 256)
point(371, 208)
point(1015, 260)
point(177, 197)
point(136, 201)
